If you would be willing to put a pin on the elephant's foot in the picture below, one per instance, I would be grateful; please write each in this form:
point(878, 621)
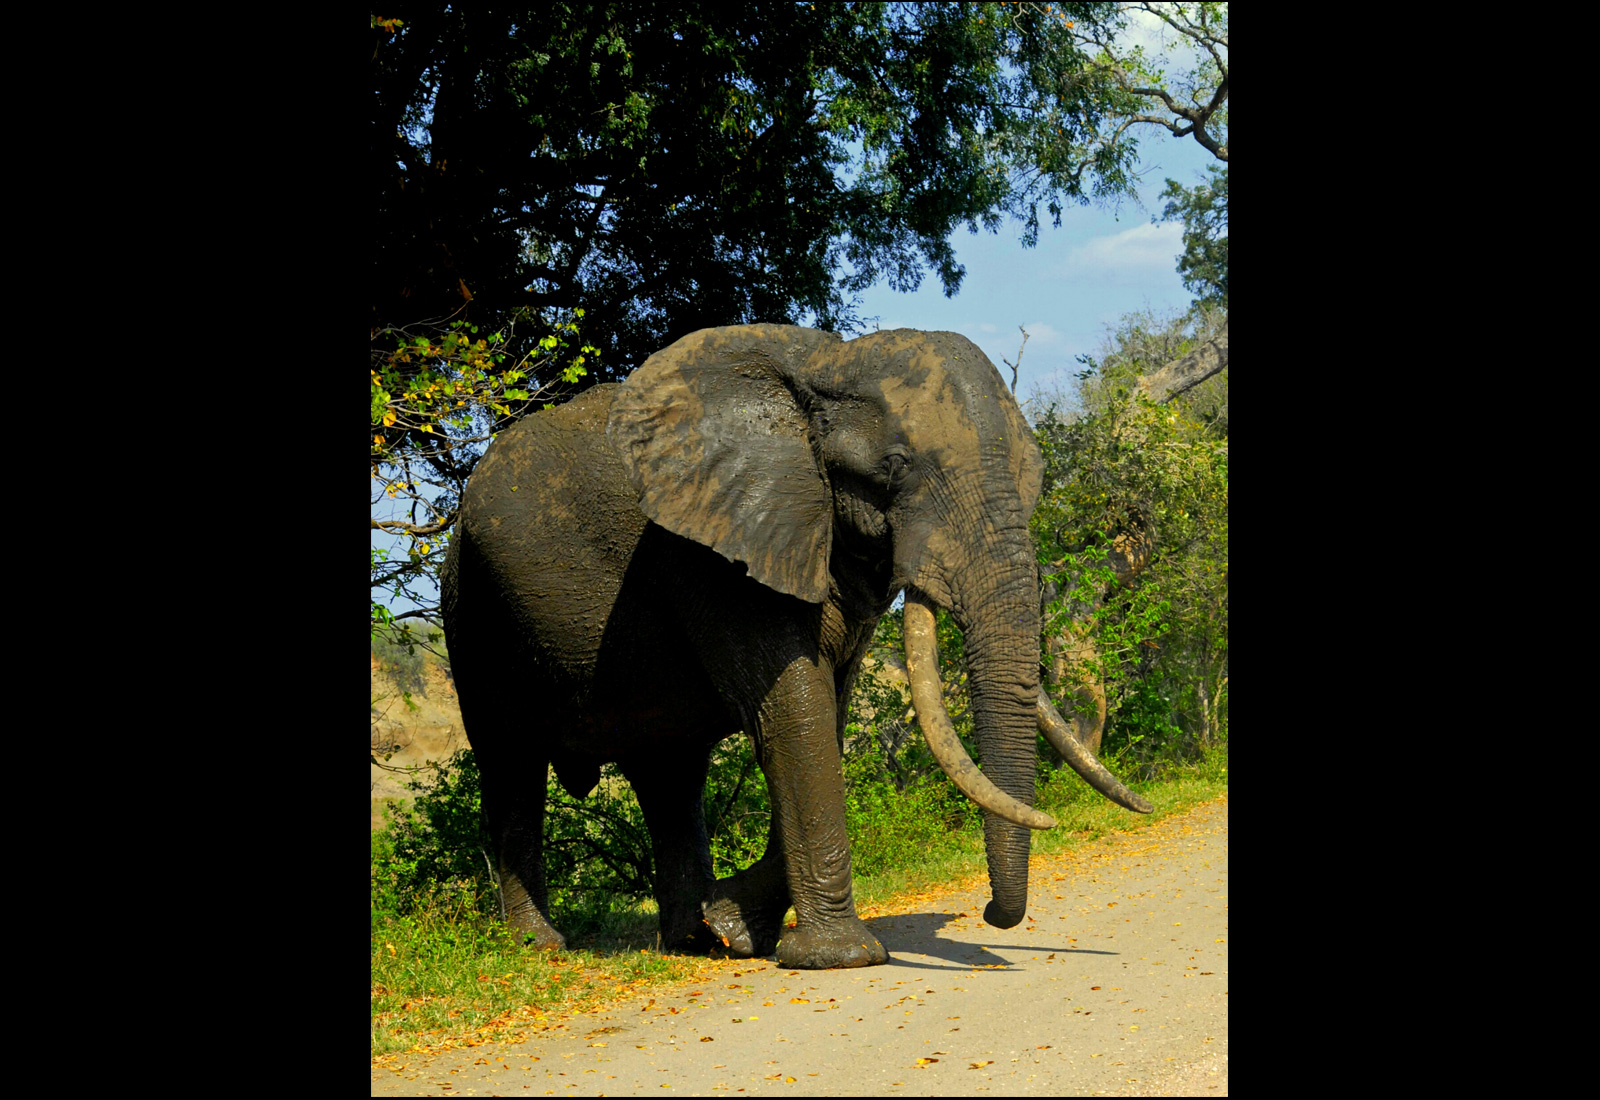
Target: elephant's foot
point(745, 911)
point(684, 929)
point(745, 933)
point(536, 933)
point(526, 925)
point(840, 944)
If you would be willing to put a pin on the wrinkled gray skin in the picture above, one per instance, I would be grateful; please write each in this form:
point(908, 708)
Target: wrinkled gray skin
point(706, 548)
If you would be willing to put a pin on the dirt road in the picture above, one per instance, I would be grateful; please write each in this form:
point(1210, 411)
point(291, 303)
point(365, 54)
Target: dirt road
point(1117, 983)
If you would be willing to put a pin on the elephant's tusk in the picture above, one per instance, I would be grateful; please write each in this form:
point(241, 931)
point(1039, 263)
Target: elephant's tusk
point(1059, 734)
point(922, 668)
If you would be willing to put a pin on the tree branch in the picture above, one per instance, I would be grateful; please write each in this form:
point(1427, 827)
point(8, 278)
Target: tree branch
point(1184, 374)
point(413, 528)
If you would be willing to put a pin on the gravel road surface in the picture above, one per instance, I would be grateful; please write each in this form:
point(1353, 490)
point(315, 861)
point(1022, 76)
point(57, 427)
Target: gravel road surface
point(1116, 984)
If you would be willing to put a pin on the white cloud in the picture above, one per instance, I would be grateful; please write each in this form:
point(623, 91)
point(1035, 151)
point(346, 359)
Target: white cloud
point(1138, 247)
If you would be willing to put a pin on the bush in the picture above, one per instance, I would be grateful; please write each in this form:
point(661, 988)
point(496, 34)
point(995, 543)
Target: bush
point(399, 659)
point(435, 857)
point(738, 811)
point(437, 849)
point(891, 828)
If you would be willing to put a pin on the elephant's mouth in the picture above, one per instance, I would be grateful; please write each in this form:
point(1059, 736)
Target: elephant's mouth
point(922, 669)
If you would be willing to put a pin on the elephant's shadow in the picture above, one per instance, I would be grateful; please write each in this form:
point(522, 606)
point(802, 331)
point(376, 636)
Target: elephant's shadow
point(918, 934)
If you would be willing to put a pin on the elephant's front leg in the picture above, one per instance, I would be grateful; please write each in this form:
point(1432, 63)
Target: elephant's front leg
point(800, 755)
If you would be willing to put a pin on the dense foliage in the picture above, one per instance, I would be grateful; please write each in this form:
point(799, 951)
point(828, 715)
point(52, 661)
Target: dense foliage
point(668, 167)
point(1203, 209)
point(1120, 473)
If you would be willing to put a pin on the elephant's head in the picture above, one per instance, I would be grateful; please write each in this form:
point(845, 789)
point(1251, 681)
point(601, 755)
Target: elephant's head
point(899, 455)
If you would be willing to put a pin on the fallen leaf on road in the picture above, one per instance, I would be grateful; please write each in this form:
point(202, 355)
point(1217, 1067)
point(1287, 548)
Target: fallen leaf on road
point(980, 1065)
point(705, 1038)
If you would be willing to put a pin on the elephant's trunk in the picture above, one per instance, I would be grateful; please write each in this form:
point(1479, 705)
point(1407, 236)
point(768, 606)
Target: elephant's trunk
point(922, 670)
point(1001, 629)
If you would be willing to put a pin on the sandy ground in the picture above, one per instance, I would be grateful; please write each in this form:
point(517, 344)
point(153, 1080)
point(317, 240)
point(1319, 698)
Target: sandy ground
point(1116, 984)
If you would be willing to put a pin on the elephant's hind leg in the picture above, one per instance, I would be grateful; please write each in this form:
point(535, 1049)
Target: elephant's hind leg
point(514, 802)
point(671, 792)
point(745, 911)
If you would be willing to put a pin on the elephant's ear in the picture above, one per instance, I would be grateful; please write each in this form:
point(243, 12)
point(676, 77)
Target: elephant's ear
point(717, 446)
point(1027, 465)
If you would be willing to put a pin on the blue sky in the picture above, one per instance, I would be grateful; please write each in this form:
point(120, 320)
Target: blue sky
point(1080, 278)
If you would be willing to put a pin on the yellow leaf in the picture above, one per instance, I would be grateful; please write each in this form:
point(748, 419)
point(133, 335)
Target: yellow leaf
point(980, 1065)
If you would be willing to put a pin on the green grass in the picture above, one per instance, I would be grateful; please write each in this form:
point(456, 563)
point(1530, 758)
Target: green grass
point(432, 982)
point(1083, 816)
point(440, 974)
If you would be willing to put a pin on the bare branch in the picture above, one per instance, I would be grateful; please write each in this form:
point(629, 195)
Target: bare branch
point(1018, 364)
point(415, 529)
point(1186, 373)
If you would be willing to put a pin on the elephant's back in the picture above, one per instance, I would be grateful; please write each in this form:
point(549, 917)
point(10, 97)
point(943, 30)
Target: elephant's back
point(547, 526)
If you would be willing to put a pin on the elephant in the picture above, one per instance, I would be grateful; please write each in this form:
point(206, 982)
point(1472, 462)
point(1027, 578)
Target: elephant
point(705, 548)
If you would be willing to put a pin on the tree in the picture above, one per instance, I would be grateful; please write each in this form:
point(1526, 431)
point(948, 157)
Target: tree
point(1132, 529)
point(1203, 209)
point(656, 168)
point(1178, 83)
point(439, 392)
point(667, 167)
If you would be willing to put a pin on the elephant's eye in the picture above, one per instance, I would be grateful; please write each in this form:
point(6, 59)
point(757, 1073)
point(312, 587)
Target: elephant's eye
point(894, 467)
